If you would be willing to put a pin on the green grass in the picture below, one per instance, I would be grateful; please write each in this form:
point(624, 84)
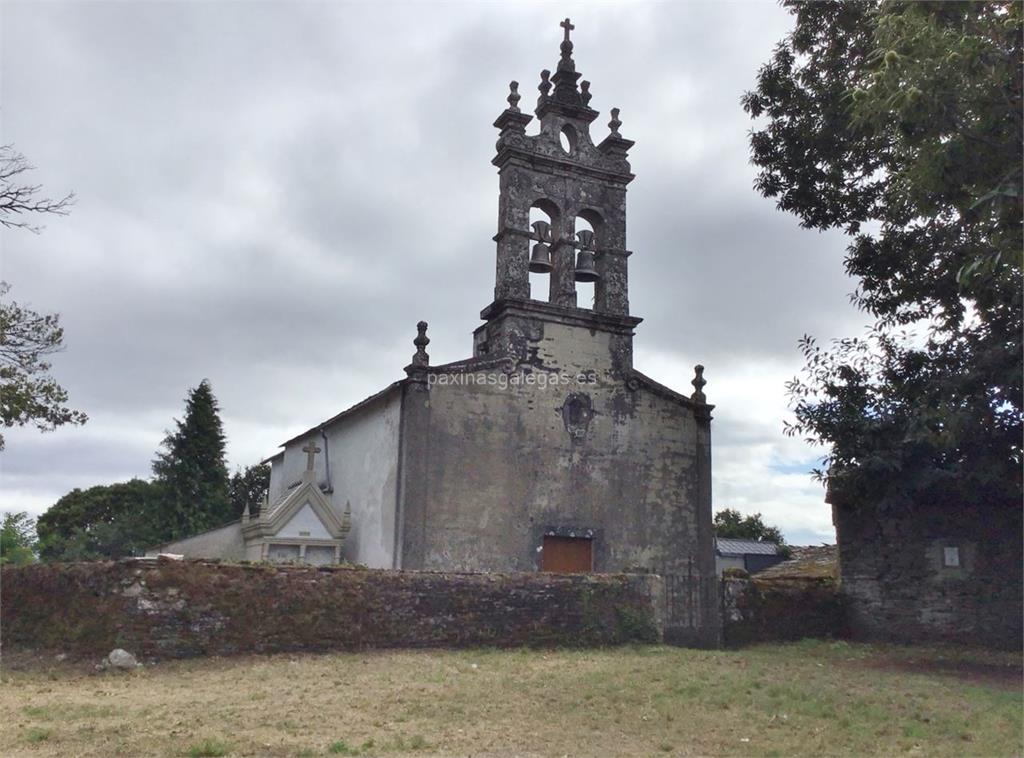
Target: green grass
point(37, 734)
point(416, 742)
point(208, 749)
point(342, 748)
point(68, 712)
point(397, 744)
point(802, 699)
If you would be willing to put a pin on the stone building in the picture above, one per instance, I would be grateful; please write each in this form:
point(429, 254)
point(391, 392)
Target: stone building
point(944, 570)
point(546, 449)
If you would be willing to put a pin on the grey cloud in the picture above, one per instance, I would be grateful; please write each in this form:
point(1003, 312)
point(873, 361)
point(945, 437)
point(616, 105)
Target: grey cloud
point(271, 195)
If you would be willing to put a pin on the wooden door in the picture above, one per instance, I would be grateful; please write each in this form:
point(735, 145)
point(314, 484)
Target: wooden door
point(567, 555)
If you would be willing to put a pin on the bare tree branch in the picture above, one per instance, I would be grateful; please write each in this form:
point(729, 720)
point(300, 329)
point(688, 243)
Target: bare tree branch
point(17, 200)
point(28, 394)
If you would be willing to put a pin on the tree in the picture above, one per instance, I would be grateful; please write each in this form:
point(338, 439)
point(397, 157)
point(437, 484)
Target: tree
point(248, 488)
point(20, 201)
point(189, 494)
point(900, 123)
point(17, 539)
point(730, 523)
point(28, 394)
point(192, 470)
point(103, 522)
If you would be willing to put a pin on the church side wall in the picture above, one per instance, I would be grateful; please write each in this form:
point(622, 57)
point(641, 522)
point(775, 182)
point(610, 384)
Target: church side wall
point(363, 453)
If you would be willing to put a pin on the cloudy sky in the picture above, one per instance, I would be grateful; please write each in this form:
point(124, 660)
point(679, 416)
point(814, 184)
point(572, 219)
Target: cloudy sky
point(270, 195)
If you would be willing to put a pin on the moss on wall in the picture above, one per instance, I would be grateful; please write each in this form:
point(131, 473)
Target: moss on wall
point(898, 588)
point(187, 608)
point(761, 610)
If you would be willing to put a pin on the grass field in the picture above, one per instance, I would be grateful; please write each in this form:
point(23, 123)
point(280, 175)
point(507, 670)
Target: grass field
point(810, 698)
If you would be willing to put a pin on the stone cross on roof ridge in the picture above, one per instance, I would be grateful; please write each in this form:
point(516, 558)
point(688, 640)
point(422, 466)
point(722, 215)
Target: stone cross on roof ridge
point(568, 26)
point(565, 76)
point(566, 63)
point(310, 450)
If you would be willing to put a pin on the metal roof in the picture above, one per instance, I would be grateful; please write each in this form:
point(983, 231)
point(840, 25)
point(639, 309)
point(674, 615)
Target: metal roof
point(729, 546)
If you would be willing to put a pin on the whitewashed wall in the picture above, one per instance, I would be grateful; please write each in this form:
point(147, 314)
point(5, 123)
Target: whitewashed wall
point(364, 472)
point(225, 543)
point(305, 523)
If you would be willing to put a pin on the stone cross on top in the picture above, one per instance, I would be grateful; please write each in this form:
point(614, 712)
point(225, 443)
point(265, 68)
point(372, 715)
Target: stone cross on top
point(567, 25)
point(310, 450)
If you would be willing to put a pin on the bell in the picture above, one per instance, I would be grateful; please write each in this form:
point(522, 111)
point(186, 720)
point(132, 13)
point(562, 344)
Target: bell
point(540, 259)
point(585, 271)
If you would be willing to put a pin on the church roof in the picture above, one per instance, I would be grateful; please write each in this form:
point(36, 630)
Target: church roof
point(269, 458)
point(469, 364)
point(668, 392)
point(347, 412)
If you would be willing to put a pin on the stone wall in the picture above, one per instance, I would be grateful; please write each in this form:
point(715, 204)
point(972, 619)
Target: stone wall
point(171, 609)
point(758, 610)
point(898, 588)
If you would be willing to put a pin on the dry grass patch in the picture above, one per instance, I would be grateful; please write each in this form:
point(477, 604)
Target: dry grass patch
point(810, 698)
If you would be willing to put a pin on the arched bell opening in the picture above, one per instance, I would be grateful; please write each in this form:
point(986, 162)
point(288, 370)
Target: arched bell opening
point(542, 218)
point(587, 225)
point(568, 139)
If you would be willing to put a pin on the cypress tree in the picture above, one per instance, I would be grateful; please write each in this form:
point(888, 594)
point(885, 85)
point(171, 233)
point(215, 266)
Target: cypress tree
point(192, 469)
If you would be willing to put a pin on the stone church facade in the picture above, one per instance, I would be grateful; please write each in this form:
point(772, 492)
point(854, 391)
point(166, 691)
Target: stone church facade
point(546, 449)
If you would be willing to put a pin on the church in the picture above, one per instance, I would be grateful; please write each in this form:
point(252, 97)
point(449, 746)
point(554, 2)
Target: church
point(545, 450)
